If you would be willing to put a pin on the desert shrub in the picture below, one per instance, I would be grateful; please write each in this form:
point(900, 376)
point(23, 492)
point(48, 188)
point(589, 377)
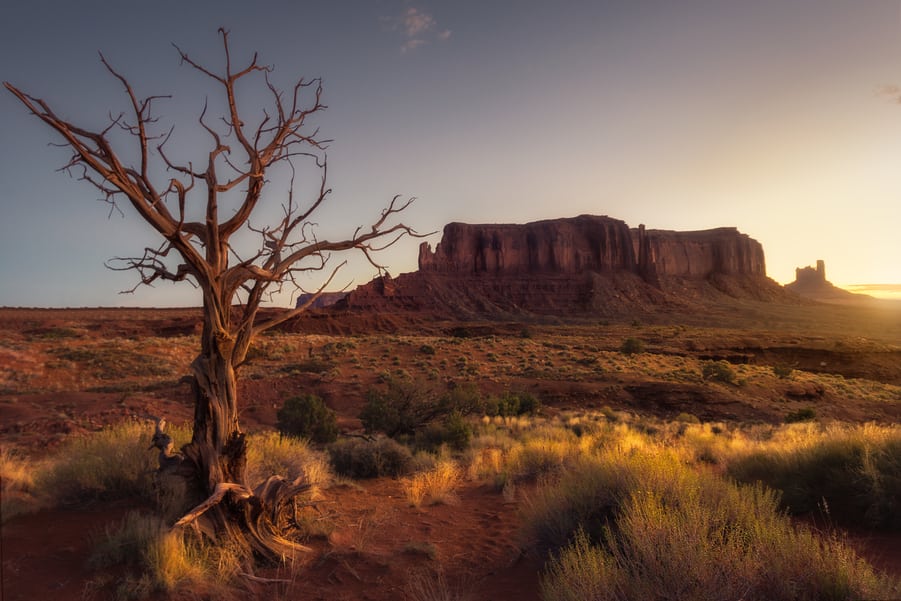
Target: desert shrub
point(407, 405)
point(16, 484)
point(271, 454)
point(646, 526)
point(113, 463)
point(310, 365)
point(543, 450)
point(453, 430)
point(687, 418)
point(718, 371)
point(783, 371)
point(402, 407)
point(427, 349)
point(158, 560)
point(805, 414)
point(359, 458)
point(307, 416)
point(512, 403)
point(853, 473)
point(434, 486)
point(631, 346)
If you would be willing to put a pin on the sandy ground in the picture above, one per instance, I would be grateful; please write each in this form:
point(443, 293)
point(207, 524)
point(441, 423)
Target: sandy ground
point(55, 382)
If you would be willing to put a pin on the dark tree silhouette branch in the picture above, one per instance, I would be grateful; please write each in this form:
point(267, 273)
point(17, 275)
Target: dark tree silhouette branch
point(162, 190)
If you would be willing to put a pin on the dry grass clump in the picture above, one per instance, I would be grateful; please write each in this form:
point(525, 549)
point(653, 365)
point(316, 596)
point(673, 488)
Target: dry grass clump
point(648, 526)
point(17, 477)
point(853, 472)
point(162, 561)
point(434, 586)
point(434, 486)
point(112, 463)
point(271, 453)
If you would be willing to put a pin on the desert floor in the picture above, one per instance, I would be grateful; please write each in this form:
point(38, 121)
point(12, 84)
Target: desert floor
point(69, 372)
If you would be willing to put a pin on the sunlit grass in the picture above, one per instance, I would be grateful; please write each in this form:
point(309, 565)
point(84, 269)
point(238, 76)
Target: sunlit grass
point(271, 453)
point(112, 463)
point(437, 485)
point(853, 473)
point(17, 475)
point(646, 525)
point(158, 560)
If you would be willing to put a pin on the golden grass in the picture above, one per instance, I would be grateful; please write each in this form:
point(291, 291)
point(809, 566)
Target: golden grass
point(434, 486)
point(163, 561)
point(647, 525)
point(271, 453)
point(17, 491)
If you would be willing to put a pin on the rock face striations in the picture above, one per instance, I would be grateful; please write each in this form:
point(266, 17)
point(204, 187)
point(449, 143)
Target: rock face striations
point(586, 264)
point(563, 246)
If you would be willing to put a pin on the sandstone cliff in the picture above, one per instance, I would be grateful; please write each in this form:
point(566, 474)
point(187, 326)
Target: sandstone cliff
point(586, 264)
point(591, 243)
point(561, 246)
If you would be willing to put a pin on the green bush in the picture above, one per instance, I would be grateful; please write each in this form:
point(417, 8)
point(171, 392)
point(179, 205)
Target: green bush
point(307, 416)
point(687, 418)
point(718, 371)
point(359, 458)
point(783, 371)
point(631, 346)
point(511, 404)
point(406, 406)
point(453, 431)
point(801, 415)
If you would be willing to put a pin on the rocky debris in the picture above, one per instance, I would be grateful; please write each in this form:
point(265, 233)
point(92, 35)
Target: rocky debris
point(582, 265)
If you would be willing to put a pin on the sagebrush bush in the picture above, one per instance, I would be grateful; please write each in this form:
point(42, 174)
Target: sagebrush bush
point(271, 454)
point(805, 414)
point(401, 408)
point(408, 405)
point(631, 346)
point(112, 463)
point(718, 371)
point(358, 458)
point(158, 560)
point(511, 403)
point(434, 486)
point(853, 472)
point(307, 416)
point(453, 431)
point(17, 477)
point(647, 526)
point(783, 371)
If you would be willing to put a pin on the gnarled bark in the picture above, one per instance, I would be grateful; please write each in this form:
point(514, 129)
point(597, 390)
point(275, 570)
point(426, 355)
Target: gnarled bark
point(243, 152)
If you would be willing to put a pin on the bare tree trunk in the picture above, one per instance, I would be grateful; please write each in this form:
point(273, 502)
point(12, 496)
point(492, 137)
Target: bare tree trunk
point(216, 459)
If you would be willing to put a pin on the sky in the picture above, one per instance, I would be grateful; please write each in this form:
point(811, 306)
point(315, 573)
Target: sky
point(772, 116)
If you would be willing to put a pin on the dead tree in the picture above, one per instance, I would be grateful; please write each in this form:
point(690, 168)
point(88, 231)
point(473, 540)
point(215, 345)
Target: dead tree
point(187, 205)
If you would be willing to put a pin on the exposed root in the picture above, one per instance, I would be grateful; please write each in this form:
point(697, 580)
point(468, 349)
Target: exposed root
point(241, 493)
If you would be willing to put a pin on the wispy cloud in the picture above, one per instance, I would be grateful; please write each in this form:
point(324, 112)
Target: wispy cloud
point(418, 28)
point(417, 22)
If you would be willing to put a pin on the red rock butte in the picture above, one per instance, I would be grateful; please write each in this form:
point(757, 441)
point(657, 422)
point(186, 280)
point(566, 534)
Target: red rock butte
point(586, 264)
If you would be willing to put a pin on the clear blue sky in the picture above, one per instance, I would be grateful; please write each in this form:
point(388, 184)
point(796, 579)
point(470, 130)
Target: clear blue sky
point(765, 115)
